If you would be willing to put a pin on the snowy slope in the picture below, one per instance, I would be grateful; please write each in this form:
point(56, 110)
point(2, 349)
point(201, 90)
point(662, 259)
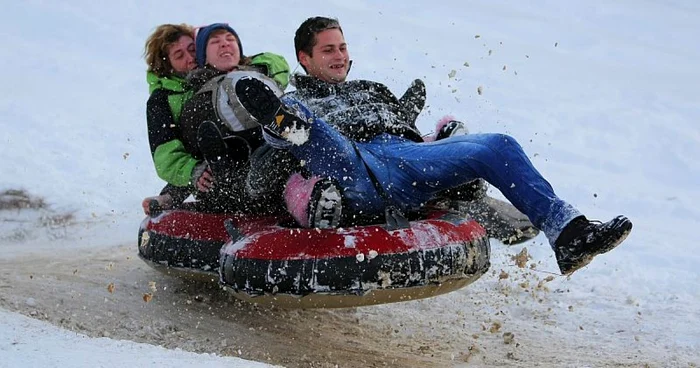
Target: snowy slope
point(603, 96)
point(26, 342)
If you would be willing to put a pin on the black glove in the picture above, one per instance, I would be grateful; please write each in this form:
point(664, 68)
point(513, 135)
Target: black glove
point(413, 101)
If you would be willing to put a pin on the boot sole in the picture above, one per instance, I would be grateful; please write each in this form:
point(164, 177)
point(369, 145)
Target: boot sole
point(266, 108)
point(259, 101)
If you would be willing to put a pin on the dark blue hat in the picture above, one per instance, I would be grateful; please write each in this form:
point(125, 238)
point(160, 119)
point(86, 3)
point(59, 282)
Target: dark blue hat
point(203, 33)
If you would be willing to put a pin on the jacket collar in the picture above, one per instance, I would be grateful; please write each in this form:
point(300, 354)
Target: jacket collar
point(170, 83)
point(314, 86)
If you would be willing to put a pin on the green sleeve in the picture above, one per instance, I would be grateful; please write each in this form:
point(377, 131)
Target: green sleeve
point(276, 65)
point(173, 163)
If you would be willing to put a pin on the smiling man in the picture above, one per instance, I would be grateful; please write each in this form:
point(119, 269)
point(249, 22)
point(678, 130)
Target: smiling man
point(359, 137)
point(330, 62)
point(323, 53)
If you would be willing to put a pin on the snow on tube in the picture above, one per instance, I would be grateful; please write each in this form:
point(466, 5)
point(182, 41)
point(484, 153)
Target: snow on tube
point(260, 260)
point(311, 268)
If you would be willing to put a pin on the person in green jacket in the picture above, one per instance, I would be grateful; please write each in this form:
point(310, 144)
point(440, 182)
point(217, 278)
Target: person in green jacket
point(176, 77)
point(170, 56)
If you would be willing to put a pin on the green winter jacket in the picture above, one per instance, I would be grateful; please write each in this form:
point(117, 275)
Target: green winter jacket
point(174, 84)
point(275, 66)
point(172, 162)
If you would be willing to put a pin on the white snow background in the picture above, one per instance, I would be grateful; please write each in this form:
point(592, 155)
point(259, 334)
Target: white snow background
point(602, 95)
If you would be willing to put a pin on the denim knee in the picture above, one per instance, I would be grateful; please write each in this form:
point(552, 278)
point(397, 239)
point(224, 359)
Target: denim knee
point(498, 140)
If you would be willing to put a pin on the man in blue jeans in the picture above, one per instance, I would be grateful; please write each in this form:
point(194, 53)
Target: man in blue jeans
point(354, 133)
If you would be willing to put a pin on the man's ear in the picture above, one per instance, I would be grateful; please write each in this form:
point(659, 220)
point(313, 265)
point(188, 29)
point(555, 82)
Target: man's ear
point(303, 58)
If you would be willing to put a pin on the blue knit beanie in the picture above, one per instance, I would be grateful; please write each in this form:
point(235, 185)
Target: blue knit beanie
point(200, 44)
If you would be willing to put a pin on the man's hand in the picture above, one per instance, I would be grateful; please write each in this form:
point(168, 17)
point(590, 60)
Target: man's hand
point(202, 178)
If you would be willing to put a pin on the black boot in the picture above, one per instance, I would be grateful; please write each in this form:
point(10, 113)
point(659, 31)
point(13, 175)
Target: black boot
point(262, 104)
point(581, 240)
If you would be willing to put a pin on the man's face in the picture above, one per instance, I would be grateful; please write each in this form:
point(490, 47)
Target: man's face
point(222, 51)
point(329, 59)
point(181, 55)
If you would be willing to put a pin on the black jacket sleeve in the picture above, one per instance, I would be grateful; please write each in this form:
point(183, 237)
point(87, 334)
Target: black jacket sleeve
point(161, 125)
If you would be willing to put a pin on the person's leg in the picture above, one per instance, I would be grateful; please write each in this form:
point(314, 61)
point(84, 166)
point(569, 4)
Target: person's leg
point(414, 172)
point(419, 170)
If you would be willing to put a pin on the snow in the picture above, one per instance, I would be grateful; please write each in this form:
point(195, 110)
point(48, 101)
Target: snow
point(603, 97)
point(29, 342)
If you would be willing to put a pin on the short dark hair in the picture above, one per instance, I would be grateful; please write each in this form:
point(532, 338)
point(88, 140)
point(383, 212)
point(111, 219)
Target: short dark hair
point(305, 37)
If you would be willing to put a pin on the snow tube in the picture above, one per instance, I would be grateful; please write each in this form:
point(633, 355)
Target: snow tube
point(264, 261)
point(309, 268)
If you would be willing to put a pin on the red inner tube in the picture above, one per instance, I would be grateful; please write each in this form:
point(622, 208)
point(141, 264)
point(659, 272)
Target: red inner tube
point(258, 256)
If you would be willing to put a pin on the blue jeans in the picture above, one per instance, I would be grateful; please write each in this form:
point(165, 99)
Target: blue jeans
point(412, 173)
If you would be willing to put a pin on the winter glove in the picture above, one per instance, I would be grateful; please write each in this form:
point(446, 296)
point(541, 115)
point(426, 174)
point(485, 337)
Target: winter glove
point(413, 101)
point(202, 178)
